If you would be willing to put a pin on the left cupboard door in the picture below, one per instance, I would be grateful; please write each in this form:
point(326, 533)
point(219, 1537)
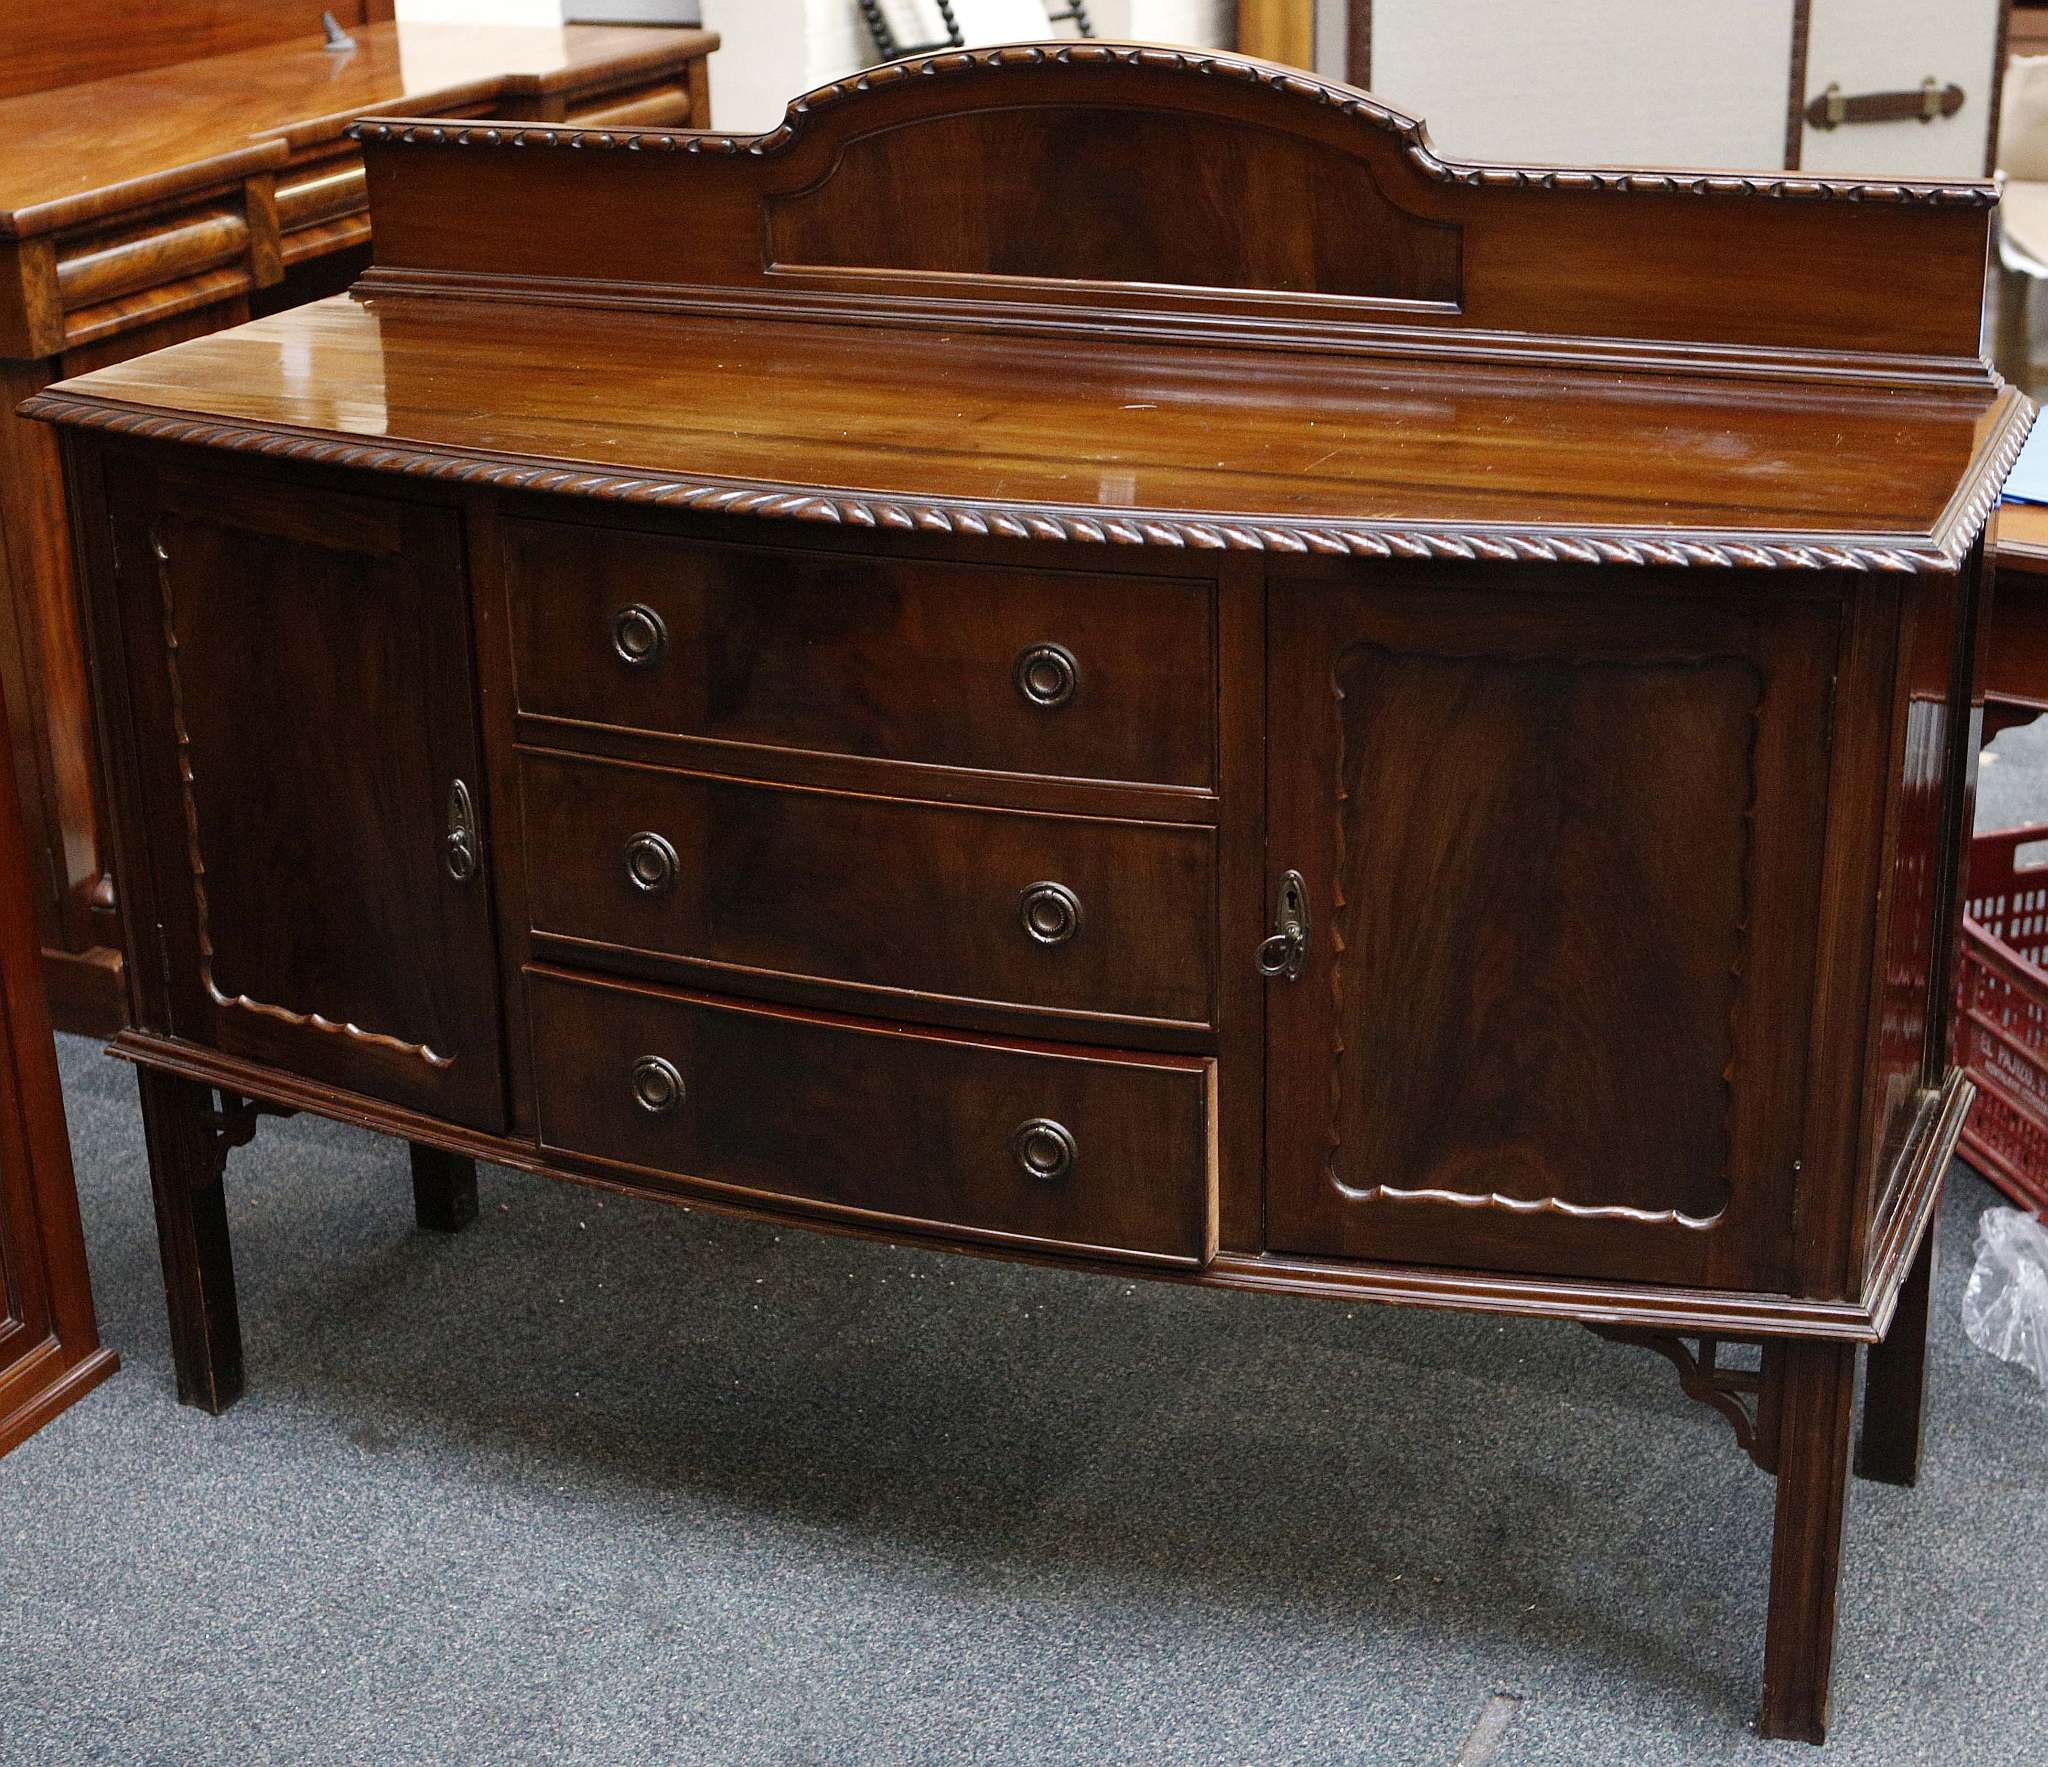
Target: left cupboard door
point(299, 671)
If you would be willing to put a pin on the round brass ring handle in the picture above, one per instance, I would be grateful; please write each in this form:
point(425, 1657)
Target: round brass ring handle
point(1047, 674)
point(1045, 1150)
point(651, 864)
point(657, 1085)
point(639, 636)
point(1051, 913)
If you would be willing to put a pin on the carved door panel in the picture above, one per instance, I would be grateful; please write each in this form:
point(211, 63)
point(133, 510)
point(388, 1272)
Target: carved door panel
point(312, 782)
point(1561, 857)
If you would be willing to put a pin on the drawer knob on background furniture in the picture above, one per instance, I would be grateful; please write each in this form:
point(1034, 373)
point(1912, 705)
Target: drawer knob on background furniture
point(1046, 1150)
point(1047, 674)
point(657, 1085)
point(639, 636)
point(1051, 913)
point(651, 864)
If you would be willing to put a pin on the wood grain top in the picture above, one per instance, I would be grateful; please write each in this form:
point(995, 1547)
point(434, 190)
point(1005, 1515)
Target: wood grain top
point(1132, 442)
point(80, 153)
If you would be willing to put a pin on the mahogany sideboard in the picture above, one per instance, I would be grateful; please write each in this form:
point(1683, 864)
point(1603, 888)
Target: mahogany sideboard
point(166, 170)
point(50, 1352)
point(1090, 653)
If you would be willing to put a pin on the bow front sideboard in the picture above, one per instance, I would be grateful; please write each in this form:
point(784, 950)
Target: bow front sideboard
point(1091, 654)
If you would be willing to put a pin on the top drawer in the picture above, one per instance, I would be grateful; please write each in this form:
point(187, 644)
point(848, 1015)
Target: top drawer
point(1070, 674)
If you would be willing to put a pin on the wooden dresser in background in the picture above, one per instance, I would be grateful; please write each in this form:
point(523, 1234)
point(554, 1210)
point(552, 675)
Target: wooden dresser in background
point(167, 169)
point(50, 1350)
point(1104, 659)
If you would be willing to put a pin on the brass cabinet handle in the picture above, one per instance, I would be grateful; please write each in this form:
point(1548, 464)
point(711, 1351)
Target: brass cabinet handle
point(1930, 99)
point(651, 864)
point(1051, 913)
point(639, 636)
point(1044, 1149)
point(1047, 674)
point(459, 850)
point(657, 1085)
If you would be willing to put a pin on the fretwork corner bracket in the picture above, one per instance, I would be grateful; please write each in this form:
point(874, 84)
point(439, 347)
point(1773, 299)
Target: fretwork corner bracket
point(1741, 1395)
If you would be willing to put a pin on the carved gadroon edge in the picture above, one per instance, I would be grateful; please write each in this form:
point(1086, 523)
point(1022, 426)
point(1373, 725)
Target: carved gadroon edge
point(1942, 554)
point(1348, 100)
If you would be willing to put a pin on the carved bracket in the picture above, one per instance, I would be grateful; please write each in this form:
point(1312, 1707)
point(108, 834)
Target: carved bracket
point(230, 1122)
point(1741, 1395)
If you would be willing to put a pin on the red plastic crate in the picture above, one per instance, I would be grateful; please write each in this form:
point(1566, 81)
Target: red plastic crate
point(2002, 1014)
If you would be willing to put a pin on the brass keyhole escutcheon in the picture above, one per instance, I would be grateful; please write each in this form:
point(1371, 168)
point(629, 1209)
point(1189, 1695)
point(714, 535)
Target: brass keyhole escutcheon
point(460, 850)
point(1045, 1150)
point(639, 636)
point(657, 1085)
point(1047, 674)
point(1051, 913)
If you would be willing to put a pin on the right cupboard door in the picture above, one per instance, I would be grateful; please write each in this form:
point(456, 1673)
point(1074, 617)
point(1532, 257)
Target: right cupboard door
point(1562, 852)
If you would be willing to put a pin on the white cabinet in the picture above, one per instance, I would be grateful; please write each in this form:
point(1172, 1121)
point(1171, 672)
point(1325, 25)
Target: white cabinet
point(1714, 83)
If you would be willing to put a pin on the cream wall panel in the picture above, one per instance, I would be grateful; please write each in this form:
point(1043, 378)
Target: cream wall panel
point(776, 49)
point(1590, 82)
point(1891, 46)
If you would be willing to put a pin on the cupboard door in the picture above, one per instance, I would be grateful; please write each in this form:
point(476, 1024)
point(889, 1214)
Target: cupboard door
point(1561, 856)
point(314, 794)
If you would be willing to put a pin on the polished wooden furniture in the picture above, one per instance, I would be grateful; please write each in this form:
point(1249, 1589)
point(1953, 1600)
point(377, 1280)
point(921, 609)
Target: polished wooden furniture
point(166, 170)
point(1105, 659)
point(50, 1353)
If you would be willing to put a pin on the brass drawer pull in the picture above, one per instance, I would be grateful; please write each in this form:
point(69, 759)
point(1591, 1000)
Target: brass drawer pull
point(639, 636)
point(1047, 674)
point(1051, 913)
point(1045, 1150)
point(651, 864)
point(657, 1085)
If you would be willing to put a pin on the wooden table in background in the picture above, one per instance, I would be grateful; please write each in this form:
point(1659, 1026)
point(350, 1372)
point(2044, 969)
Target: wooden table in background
point(167, 170)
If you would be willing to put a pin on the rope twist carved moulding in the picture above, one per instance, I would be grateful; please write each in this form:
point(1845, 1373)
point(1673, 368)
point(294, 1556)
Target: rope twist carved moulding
point(1943, 554)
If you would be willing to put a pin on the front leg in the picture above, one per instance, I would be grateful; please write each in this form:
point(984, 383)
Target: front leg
point(188, 1146)
point(1895, 1381)
point(443, 1189)
point(1813, 1391)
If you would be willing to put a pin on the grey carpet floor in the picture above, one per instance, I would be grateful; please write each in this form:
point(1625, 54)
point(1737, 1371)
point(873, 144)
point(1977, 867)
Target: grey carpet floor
point(599, 1481)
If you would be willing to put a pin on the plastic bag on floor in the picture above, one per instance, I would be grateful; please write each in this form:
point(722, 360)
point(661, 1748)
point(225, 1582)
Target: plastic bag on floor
point(2005, 1309)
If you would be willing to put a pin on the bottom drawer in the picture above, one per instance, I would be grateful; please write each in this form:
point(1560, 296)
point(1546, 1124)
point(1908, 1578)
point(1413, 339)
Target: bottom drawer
point(1082, 1150)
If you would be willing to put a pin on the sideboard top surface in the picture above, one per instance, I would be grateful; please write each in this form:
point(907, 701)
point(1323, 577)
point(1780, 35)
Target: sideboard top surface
point(1106, 292)
point(75, 153)
point(1249, 449)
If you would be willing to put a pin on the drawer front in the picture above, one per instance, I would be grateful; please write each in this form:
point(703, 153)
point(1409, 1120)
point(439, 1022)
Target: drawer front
point(1071, 914)
point(1071, 1149)
point(1068, 674)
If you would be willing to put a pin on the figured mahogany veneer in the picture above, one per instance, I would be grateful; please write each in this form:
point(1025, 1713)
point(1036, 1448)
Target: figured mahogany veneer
point(166, 170)
point(1093, 654)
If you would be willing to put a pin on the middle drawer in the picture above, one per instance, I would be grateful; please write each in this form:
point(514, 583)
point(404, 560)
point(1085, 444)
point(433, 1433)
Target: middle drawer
point(1076, 915)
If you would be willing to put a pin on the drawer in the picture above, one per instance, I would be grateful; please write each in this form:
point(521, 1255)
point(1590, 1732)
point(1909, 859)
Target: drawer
point(1061, 673)
point(1081, 1150)
point(1065, 914)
